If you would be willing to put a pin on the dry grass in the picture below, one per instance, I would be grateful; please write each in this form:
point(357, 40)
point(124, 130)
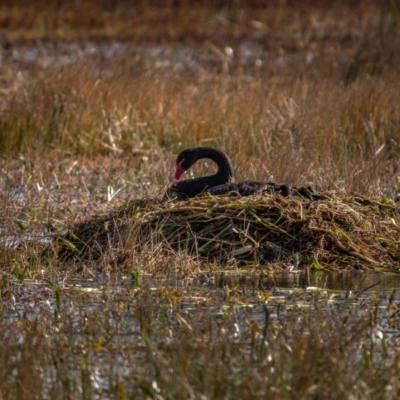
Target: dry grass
point(266, 233)
point(308, 130)
point(180, 20)
point(323, 111)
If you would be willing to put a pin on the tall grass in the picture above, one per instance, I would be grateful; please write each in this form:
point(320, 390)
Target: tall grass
point(300, 128)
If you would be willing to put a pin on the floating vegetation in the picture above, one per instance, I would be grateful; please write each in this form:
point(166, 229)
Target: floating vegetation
point(269, 232)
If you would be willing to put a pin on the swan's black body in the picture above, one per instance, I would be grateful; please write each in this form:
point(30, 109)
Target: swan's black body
point(248, 188)
point(222, 181)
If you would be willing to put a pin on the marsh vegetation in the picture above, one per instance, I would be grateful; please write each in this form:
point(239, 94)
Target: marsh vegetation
point(96, 103)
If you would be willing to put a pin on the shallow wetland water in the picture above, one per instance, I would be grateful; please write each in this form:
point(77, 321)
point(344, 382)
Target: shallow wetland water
point(100, 338)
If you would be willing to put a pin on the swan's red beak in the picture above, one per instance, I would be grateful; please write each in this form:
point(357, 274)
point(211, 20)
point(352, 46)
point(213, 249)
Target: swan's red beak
point(179, 171)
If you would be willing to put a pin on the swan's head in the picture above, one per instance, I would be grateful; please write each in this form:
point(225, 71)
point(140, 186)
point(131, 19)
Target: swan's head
point(183, 162)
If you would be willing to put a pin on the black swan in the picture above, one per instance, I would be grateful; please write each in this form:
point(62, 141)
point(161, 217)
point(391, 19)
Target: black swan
point(193, 187)
point(222, 181)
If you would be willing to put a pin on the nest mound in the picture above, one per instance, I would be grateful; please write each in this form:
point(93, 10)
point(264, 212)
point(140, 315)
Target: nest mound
point(333, 233)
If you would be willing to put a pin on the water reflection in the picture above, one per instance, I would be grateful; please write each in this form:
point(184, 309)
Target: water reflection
point(346, 281)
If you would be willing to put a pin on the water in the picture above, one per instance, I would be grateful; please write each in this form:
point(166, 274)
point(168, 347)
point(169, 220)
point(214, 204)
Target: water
point(87, 311)
point(168, 58)
point(355, 282)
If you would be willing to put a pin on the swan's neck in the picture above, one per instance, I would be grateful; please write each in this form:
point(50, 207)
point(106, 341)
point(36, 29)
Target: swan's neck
point(225, 169)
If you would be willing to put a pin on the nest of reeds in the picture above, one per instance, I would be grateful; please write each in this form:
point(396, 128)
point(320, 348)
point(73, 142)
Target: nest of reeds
point(267, 231)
